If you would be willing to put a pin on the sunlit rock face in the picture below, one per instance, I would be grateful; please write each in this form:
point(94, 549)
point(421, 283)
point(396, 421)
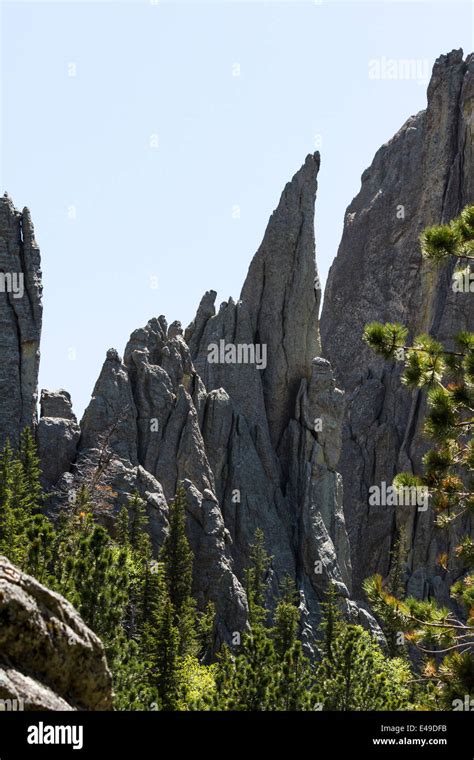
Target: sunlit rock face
point(20, 320)
point(424, 175)
point(267, 421)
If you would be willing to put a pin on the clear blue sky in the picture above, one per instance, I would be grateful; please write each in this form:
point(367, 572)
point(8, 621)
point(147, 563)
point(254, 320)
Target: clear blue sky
point(84, 144)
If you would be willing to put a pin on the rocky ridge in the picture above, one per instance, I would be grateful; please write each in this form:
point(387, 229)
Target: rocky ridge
point(20, 320)
point(280, 442)
point(240, 436)
point(423, 176)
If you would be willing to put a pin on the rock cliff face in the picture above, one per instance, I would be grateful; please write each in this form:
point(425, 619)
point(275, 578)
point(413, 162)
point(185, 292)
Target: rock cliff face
point(57, 435)
point(243, 406)
point(20, 320)
point(49, 659)
point(253, 432)
point(423, 176)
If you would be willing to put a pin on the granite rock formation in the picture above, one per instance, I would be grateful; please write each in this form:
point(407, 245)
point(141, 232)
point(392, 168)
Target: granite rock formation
point(49, 659)
point(263, 426)
point(240, 434)
point(424, 175)
point(20, 320)
point(57, 435)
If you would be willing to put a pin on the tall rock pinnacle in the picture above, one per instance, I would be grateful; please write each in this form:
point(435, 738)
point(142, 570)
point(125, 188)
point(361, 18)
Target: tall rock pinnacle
point(275, 444)
point(422, 176)
point(240, 434)
point(281, 298)
point(20, 320)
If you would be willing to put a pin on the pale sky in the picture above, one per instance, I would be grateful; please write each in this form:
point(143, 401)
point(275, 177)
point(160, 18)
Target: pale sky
point(151, 142)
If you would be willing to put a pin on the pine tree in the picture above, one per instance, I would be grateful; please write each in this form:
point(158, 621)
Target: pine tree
point(285, 630)
point(122, 529)
point(256, 578)
point(177, 559)
point(447, 376)
point(442, 243)
point(7, 517)
point(73, 524)
point(16, 507)
point(28, 455)
point(138, 520)
point(295, 676)
point(41, 538)
point(167, 659)
point(331, 621)
point(143, 610)
point(6, 463)
point(133, 537)
point(205, 626)
point(295, 689)
point(162, 647)
point(253, 681)
point(82, 514)
point(288, 591)
point(100, 583)
point(225, 669)
point(357, 676)
point(270, 670)
point(389, 614)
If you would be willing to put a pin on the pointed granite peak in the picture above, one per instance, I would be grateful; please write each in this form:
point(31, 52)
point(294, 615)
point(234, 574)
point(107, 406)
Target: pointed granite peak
point(423, 176)
point(281, 296)
point(20, 320)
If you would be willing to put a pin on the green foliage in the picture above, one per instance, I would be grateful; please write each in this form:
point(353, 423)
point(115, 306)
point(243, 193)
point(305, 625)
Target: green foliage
point(447, 375)
point(205, 631)
point(177, 559)
point(29, 459)
point(40, 536)
point(357, 676)
point(331, 621)
point(165, 660)
point(269, 671)
point(385, 339)
point(295, 690)
point(251, 680)
point(455, 239)
point(456, 678)
point(288, 591)
point(133, 537)
point(286, 626)
point(100, 583)
point(198, 683)
point(142, 609)
point(158, 645)
point(256, 578)
point(386, 604)
point(19, 498)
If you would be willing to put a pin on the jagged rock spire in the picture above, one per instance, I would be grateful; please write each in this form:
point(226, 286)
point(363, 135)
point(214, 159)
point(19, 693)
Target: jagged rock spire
point(281, 299)
point(20, 320)
point(422, 176)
